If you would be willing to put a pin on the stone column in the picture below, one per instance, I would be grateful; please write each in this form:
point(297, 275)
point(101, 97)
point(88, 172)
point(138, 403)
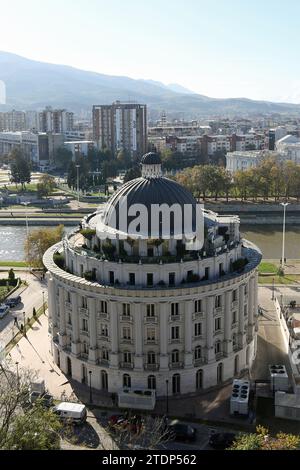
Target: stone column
point(62, 317)
point(138, 335)
point(76, 346)
point(210, 328)
point(242, 334)
point(52, 317)
point(114, 335)
point(228, 323)
point(164, 335)
point(91, 303)
point(188, 332)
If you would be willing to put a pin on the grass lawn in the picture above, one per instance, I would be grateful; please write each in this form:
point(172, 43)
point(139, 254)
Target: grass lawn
point(13, 264)
point(265, 267)
point(4, 291)
point(287, 279)
point(29, 188)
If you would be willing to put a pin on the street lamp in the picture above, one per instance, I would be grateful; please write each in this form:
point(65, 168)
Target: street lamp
point(91, 397)
point(24, 323)
point(284, 204)
point(18, 383)
point(167, 384)
point(77, 168)
point(44, 302)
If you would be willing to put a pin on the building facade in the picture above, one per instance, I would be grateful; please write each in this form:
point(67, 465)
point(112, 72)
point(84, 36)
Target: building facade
point(137, 312)
point(121, 126)
point(57, 121)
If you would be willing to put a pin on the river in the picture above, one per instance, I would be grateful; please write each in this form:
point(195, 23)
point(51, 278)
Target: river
point(267, 238)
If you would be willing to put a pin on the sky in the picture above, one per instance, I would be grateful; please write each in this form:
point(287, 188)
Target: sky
point(218, 48)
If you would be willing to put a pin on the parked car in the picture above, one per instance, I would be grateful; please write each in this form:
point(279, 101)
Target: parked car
point(4, 309)
point(13, 301)
point(179, 431)
point(221, 440)
point(73, 412)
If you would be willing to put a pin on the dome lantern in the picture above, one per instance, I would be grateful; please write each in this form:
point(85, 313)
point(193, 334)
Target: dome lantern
point(151, 165)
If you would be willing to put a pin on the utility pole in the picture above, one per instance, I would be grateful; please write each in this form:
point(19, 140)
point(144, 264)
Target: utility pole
point(284, 204)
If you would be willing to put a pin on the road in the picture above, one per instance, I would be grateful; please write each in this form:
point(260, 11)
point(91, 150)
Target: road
point(32, 296)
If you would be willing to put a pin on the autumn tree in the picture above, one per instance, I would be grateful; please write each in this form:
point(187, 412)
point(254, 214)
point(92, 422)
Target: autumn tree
point(38, 241)
point(262, 440)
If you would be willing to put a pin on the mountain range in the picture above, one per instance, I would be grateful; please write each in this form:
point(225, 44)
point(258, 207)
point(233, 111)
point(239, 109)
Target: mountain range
point(33, 85)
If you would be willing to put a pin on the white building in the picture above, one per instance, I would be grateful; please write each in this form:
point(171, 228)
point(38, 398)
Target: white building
point(137, 312)
point(289, 147)
point(241, 161)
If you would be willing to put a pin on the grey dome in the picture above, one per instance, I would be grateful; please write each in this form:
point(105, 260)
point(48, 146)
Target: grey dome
point(151, 158)
point(148, 191)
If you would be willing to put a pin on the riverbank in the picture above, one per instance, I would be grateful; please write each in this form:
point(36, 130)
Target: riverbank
point(252, 213)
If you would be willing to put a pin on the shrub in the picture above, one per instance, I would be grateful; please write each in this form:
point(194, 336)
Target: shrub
point(192, 277)
point(108, 248)
point(88, 233)
point(59, 260)
point(239, 264)
point(89, 276)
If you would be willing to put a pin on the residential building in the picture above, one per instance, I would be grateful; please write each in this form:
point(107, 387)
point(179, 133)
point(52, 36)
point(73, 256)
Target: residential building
point(80, 147)
point(121, 126)
point(57, 121)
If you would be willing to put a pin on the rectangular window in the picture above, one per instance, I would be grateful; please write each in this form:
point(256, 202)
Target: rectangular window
point(104, 330)
point(149, 279)
point(175, 332)
point(234, 317)
point(206, 274)
point(218, 301)
point(151, 334)
point(150, 310)
point(127, 357)
point(85, 325)
point(245, 310)
point(198, 329)
point(171, 279)
point(234, 295)
point(103, 306)
point(218, 324)
point(132, 279)
point(198, 305)
point(126, 333)
point(111, 277)
point(126, 310)
point(174, 309)
point(83, 302)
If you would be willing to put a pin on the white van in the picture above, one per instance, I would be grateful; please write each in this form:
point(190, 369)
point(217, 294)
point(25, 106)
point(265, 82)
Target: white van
point(74, 412)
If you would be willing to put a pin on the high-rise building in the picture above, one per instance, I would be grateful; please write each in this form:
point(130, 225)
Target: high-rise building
point(55, 120)
point(13, 121)
point(121, 126)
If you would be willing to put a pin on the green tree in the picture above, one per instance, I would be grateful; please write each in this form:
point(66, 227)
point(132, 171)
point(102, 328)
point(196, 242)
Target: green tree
point(132, 173)
point(62, 158)
point(38, 241)
point(21, 427)
point(20, 169)
point(45, 185)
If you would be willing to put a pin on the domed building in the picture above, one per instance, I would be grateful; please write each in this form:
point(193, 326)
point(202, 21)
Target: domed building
point(138, 305)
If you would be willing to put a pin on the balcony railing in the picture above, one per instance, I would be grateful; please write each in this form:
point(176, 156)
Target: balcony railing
point(176, 317)
point(197, 315)
point(127, 318)
point(68, 305)
point(127, 340)
point(176, 365)
point(83, 311)
point(103, 362)
point(153, 319)
point(126, 365)
point(151, 367)
point(102, 315)
point(199, 362)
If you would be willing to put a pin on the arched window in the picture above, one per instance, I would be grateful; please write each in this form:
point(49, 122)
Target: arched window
point(175, 356)
point(126, 381)
point(218, 349)
point(199, 379)
point(220, 373)
point(176, 384)
point(152, 382)
point(151, 358)
point(198, 353)
point(104, 380)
